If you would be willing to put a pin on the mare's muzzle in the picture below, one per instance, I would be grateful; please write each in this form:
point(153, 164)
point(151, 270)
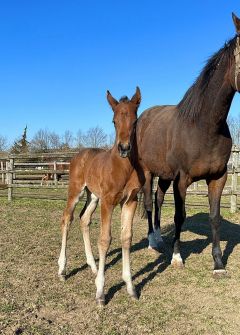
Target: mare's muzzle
point(124, 149)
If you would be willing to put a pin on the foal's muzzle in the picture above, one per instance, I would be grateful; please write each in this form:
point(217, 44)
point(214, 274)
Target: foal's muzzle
point(124, 149)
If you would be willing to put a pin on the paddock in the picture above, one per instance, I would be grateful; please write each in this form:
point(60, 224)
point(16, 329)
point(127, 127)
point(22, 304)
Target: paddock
point(187, 301)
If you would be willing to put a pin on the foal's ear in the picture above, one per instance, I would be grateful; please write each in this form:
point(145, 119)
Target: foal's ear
point(111, 100)
point(236, 22)
point(136, 99)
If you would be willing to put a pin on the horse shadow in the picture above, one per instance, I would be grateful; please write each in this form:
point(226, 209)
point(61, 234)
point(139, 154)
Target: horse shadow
point(197, 224)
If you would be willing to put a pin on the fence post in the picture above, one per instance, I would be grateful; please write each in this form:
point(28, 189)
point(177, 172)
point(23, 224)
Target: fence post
point(233, 205)
point(10, 178)
point(55, 174)
point(2, 168)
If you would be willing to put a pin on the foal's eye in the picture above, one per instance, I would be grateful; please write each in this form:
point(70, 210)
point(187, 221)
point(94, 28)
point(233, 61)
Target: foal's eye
point(113, 122)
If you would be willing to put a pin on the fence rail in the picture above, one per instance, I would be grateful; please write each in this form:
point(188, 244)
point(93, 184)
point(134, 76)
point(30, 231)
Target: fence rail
point(46, 172)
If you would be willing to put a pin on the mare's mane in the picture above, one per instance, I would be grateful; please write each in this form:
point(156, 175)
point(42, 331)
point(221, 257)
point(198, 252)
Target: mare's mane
point(191, 105)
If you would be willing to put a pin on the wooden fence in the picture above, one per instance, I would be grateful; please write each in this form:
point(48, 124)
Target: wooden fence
point(44, 174)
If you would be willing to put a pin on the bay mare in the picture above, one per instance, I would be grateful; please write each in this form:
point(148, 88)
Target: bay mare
point(114, 177)
point(189, 142)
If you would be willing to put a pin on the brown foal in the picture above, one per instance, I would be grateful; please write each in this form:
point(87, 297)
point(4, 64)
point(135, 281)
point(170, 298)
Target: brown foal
point(114, 177)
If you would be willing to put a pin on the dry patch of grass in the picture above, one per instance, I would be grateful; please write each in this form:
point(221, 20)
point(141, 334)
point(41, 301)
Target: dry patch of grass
point(187, 301)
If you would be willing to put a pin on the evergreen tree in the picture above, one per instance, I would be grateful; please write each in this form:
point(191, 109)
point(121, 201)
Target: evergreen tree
point(21, 146)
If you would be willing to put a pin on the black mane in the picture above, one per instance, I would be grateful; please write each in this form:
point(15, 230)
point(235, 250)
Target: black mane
point(191, 104)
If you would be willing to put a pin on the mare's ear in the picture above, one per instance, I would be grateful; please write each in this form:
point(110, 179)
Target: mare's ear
point(111, 100)
point(136, 99)
point(236, 22)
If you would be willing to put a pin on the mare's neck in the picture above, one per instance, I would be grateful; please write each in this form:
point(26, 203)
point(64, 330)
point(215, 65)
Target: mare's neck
point(217, 104)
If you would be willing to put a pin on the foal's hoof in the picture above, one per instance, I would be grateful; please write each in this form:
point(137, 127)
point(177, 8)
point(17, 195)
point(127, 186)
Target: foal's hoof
point(62, 278)
point(100, 301)
point(222, 273)
point(134, 295)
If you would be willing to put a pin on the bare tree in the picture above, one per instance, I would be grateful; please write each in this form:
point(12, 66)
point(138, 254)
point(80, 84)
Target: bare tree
point(3, 143)
point(95, 138)
point(234, 125)
point(111, 139)
point(79, 140)
point(41, 141)
point(54, 139)
point(67, 140)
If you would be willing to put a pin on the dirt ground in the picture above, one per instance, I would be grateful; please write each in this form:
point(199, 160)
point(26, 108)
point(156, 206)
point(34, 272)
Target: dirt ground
point(188, 301)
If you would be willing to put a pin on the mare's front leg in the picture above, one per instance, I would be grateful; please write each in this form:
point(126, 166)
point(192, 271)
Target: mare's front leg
point(215, 188)
point(162, 188)
point(179, 188)
point(103, 246)
point(128, 210)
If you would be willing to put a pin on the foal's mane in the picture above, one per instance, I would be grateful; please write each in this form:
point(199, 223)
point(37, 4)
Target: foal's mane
point(124, 99)
point(191, 105)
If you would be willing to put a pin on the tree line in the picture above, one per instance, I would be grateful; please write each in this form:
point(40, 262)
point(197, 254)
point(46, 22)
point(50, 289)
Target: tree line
point(46, 140)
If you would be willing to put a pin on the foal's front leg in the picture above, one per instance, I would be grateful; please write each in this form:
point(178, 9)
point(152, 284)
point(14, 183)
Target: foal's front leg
point(103, 246)
point(128, 210)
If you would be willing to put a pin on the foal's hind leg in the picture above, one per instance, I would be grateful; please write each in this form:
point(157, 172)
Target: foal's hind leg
point(75, 194)
point(215, 188)
point(85, 220)
point(162, 188)
point(127, 215)
point(179, 188)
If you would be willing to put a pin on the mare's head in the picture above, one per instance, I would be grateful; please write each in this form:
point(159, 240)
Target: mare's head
point(124, 119)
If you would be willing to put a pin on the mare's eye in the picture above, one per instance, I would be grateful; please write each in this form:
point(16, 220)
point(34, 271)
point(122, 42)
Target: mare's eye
point(113, 122)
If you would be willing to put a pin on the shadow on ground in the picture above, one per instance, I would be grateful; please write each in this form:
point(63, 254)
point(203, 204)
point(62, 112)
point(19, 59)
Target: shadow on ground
point(197, 224)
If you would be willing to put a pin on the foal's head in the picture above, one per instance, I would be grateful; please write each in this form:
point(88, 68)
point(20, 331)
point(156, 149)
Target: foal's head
point(124, 119)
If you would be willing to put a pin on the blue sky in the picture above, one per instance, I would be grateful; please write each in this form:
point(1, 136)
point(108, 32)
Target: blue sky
point(58, 58)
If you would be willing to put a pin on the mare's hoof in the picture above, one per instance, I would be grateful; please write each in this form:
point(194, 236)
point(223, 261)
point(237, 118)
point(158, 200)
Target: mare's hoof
point(222, 273)
point(153, 250)
point(62, 278)
point(101, 301)
point(177, 264)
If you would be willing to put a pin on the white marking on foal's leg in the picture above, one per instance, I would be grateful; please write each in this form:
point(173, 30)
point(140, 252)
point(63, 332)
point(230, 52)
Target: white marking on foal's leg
point(177, 260)
point(126, 237)
point(62, 261)
point(126, 273)
point(67, 217)
point(99, 281)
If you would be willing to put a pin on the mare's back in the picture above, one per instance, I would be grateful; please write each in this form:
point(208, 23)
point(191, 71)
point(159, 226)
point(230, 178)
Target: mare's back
point(155, 129)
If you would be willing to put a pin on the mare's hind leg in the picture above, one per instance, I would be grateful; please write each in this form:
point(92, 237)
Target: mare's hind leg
point(85, 220)
point(162, 188)
point(215, 188)
point(74, 194)
point(179, 188)
point(128, 210)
